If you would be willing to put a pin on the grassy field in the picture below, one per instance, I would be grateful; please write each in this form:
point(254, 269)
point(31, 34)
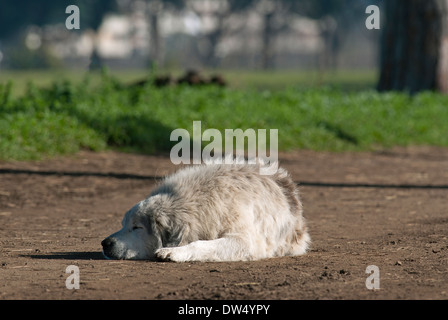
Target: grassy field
point(334, 112)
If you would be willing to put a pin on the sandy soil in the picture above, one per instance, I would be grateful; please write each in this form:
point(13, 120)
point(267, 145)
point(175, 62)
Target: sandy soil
point(387, 209)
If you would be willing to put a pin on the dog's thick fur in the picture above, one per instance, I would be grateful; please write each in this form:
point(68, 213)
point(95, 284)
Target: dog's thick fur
point(214, 212)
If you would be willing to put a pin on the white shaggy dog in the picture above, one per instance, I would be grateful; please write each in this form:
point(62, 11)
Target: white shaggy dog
point(214, 212)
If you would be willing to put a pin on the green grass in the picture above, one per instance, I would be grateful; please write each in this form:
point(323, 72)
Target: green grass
point(101, 112)
point(280, 80)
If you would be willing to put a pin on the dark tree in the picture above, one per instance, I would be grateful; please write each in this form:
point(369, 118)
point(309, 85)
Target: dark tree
point(414, 46)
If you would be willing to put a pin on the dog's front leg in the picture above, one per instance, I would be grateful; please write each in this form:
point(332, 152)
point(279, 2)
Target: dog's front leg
point(222, 249)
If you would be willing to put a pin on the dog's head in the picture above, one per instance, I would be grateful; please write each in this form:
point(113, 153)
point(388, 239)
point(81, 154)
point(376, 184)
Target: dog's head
point(146, 227)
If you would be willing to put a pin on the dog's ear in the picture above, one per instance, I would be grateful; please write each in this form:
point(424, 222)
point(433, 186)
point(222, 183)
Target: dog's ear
point(165, 223)
point(171, 231)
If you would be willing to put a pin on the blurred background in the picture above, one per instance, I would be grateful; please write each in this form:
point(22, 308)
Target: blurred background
point(311, 68)
point(185, 34)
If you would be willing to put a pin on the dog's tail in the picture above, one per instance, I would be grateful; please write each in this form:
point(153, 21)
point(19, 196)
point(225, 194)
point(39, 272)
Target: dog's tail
point(299, 240)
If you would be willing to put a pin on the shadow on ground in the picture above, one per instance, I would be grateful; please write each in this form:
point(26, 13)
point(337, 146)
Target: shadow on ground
point(68, 256)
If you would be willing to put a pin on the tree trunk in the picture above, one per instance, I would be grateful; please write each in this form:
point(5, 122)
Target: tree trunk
point(442, 71)
point(96, 62)
point(155, 39)
point(414, 46)
point(267, 49)
point(154, 8)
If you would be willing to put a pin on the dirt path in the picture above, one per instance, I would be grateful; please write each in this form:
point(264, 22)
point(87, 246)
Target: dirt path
point(385, 209)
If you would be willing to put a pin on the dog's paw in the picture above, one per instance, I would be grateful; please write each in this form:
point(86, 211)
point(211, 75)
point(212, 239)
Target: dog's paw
point(170, 254)
point(175, 254)
point(164, 254)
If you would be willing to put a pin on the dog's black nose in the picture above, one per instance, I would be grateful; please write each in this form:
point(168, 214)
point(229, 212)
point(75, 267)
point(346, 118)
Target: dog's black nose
point(108, 242)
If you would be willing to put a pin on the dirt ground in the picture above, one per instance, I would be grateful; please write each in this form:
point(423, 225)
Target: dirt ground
point(387, 209)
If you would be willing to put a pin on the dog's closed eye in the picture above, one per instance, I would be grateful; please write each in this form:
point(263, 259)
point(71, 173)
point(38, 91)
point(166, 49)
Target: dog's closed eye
point(136, 227)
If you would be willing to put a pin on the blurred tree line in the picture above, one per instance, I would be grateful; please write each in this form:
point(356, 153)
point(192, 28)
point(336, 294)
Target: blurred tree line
point(336, 16)
point(414, 42)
